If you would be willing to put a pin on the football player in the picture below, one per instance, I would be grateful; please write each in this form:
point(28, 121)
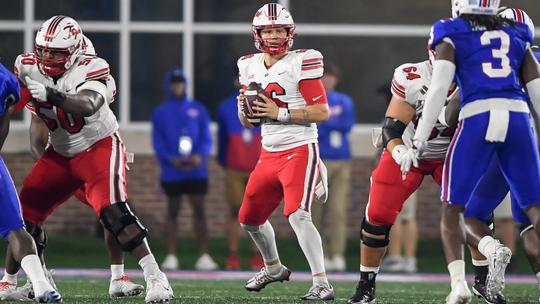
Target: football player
point(12, 226)
point(493, 188)
point(288, 166)
point(491, 58)
point(120, 284)
point(394, 179)
point(71, 92)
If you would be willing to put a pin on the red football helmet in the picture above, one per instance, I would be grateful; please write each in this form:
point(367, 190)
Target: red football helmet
point(273, 15)
point(61, 36)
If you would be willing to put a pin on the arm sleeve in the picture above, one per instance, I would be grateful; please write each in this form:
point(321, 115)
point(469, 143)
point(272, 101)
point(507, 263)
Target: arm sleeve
point(203, 146)
point(443, 73)
point(158, 139)
point(313, 91)
point(222, 135)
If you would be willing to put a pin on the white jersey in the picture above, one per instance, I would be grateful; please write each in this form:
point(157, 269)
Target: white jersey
point(72, 134)
point(410, 84)
point(281, 83)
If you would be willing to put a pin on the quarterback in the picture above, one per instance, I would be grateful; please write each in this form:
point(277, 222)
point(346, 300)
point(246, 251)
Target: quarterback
point(288, 167)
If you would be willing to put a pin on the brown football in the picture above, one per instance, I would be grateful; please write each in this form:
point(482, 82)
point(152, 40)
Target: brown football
point(252, 94)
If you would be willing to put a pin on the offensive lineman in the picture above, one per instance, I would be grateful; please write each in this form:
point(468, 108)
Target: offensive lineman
point(71, 92)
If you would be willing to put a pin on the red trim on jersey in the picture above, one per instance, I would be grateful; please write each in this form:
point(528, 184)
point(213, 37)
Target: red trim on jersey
point(312, 60)
point(94, 73)
point(313, 91)
point(398, 93)
point(484, 3)
point(394, 81)
point(25, 98)
point(313, 67)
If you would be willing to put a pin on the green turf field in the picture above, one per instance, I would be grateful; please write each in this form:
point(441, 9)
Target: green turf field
point(231, 292)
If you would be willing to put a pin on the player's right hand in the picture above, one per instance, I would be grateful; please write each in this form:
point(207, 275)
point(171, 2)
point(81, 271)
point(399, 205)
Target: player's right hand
point(405, 158)
point(37, 90)
point(241, 98)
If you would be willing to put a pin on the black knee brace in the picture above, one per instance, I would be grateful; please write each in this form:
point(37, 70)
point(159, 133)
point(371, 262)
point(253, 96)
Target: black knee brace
point(383, 230)
point(38, 234)
point(116, 218)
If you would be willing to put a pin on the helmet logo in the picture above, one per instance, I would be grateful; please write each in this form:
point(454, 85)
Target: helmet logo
point(72, 31)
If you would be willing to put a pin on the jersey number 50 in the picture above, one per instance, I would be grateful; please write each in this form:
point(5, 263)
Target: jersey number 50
point(500, 53)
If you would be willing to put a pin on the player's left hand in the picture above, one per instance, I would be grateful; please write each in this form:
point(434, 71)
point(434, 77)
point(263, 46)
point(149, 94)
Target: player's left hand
point(37, 90)
point(405, 158)
point(267, 108)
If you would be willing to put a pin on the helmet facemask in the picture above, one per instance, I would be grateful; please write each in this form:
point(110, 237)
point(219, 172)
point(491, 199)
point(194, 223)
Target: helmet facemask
point(277, 48)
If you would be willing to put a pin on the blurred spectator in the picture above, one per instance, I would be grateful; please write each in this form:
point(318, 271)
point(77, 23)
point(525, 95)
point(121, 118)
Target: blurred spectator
point(182, 142)
point(403, 240)
point(330, 218)
point(238, 152)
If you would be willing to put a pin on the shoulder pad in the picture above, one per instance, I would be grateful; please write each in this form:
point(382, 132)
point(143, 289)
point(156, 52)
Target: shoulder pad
point(301, 50)
point(24, 65)
point(405, 76)
point(93, 68)
point(523, 30)
point(246, 56)
point(311, 64)
point(444, 28)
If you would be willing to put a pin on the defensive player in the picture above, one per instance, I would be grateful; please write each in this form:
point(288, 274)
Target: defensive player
point(394, 180)
point(11, 223)
point(289, 162)
point(494, 58)
point(71, 92)
point(492, 189)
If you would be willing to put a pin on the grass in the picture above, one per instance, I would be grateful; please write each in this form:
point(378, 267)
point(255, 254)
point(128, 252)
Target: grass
point(232, 292)
point(89, 252)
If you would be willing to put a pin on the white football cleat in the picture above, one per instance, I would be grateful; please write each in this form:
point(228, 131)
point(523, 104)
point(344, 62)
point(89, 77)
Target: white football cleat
point(123, 287)
point(170, 262)
point(460, 294)
point(320, 292)
point(49, 296)
point(158, 289)
point(6, 290)
point(206, 263)
point(497, 266)
point(263, 278)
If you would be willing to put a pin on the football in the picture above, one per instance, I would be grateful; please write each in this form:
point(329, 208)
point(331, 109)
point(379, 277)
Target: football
point(252, 94)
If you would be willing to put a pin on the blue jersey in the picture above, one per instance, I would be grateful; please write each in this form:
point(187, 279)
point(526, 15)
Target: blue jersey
point(488, 63)
point(10, 217)
point(537, 55)
point(9, 89)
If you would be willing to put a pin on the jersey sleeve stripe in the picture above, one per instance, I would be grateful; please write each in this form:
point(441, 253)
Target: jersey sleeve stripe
point(94, 73)
point(394, 82)
point(312, 60)
point(313, 67)
point(397, 91)
point(100, 76)
point(30, 107)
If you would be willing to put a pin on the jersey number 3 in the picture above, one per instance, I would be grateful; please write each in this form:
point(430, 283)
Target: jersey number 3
point(500, 53)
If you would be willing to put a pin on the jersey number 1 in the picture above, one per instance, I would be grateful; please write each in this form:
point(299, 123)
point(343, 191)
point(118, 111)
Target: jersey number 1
point(500, 53)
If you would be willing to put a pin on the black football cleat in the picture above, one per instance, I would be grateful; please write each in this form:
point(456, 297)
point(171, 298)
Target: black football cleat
point(479, 290)
point(365, 294)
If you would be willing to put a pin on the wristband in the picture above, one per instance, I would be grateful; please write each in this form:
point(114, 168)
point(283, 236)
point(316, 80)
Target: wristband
point(55, 97)
point(283, 115)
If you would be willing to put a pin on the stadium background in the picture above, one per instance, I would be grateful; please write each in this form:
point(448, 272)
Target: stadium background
point(141, 39)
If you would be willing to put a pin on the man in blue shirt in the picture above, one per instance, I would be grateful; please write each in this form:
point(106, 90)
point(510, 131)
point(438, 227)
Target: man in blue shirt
point(12, 226)
point(182, 143)
point(335, 152)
